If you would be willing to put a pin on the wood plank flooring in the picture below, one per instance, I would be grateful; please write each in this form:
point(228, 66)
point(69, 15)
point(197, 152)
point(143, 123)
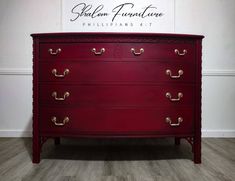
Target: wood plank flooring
point(117, 160)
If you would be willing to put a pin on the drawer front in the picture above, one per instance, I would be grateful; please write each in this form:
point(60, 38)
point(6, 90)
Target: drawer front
point(117, 72)
point(183, 52)
point(116, 95)
point(67, 51)
point(96, 51)
point(116, 121)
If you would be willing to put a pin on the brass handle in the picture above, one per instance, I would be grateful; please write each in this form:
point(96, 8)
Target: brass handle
point(137, 53)
point(168, 120)
point(102, 50)
point(180, 95)
point(54, 52)
point(180, 72)
point(180, 54)
point(54, 120)
point(54, 72)
point(54, 94)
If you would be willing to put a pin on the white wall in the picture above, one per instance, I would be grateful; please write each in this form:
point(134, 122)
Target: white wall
point(215, 20)
point(212, 18)
point(18, 19)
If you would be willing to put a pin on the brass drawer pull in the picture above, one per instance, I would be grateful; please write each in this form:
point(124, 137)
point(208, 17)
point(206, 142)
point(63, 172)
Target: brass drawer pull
point(180, 72)
point(180, 54)
point(54, 120)
point(180, 95)
point(54, 52)
point(137, 53)
point(168, 120)
point(54, 72)
point(54, 94)
point(102, 50)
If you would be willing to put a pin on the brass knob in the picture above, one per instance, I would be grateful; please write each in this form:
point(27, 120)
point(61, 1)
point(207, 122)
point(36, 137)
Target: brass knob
point(52, 52)
point(180, 54)
point(54, 94)
point(168, 120)
point(54, 72)
point(180, 72)
point(54, 120)
point(168, 95)
point(137, 53)
point(102, 50)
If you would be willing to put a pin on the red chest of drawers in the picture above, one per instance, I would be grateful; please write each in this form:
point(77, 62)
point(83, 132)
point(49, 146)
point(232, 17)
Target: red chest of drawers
point(116, 85)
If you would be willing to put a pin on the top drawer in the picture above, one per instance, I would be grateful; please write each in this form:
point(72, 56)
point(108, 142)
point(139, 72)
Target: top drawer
point(116, 51)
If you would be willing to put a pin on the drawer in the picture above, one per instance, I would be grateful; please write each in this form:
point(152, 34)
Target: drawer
point(115, 121)
point(70, 51)
point(157, 52)
point(117, 72)
point(105, 51)
point(116, 95)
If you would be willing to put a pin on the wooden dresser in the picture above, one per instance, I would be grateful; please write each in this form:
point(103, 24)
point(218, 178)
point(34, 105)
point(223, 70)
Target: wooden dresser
point(116, 85)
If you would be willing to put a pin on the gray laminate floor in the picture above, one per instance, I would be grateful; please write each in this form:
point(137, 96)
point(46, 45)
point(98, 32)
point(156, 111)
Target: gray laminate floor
point(117, 160)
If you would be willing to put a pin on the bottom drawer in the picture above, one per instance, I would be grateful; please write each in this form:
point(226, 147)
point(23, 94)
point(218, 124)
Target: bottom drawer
point(115, 121)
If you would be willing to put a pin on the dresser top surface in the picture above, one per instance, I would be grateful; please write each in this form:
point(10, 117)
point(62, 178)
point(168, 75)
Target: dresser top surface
point(106, 34)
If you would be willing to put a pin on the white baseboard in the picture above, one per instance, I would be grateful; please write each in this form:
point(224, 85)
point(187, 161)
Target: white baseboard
point(15, 133)
point(15, 71)
point(218, 72)
point(218, 133)
point(205, 133)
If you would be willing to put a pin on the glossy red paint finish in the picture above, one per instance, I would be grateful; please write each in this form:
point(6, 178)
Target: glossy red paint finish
point(118, 92)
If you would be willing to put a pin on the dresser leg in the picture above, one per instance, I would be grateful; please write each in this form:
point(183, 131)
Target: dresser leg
point(57, 140)
point(36, 149)
point(197, 149)
point(177, 141)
